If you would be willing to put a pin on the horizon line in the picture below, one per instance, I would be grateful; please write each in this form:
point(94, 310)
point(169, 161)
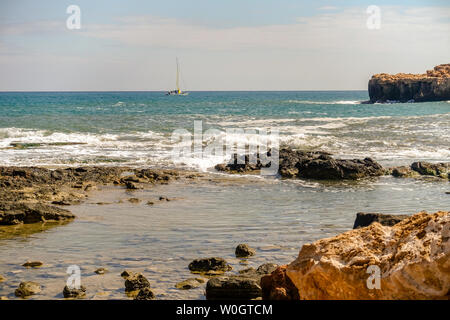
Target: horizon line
point(316, 90)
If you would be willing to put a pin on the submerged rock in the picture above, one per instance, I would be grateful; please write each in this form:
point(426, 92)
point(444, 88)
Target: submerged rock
point(101, 271)
point(74, 292)
point(33, 264)
point(134, 200)
point(310, 165)
point(27, 288)
point(145, 294)
point(2, 278)
point(432, 86)
point(213, 264)
point(365, 219)
point(413, 257)
point(12, 213)
point(189, 284)
point(243, 250)
point(136, 281)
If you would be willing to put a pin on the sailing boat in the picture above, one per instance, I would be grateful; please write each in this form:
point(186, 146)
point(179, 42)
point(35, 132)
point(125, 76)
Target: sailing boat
point(178, 91)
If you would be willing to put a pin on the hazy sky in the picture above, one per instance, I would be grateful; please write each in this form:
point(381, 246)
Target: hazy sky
point(222, 45)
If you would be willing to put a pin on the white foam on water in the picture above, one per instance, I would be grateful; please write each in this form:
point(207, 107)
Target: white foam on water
point(323, 102)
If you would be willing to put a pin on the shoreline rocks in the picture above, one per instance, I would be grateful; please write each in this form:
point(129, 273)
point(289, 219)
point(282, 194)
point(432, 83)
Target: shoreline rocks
point(422, 168)
point(308, 165)
point(13, 213)
point(434, 85)
point(244, 286)
point(413, 257)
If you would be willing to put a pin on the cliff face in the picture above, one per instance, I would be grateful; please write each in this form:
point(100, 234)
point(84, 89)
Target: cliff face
point(413, 258)
point(434, 85)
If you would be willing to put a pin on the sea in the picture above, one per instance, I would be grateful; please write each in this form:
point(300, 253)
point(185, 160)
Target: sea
point(208, 217)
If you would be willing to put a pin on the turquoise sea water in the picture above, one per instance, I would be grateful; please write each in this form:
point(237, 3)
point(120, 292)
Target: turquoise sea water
point(135, 127)
point(208, 217)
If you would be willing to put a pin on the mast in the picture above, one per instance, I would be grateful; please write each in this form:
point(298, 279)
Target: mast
point(178, 76)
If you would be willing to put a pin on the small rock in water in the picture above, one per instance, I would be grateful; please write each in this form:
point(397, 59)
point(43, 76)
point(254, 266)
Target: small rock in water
point(214, 264)
point(74, 292)
point(132, 186)
point(243, 251)
point(2, 278)
point(27, 288)
point(136, 281)
point(164, 198)
point(447, 192)
point(134, 200)
point(32, 264)
point(145, 294)
point(189, 284)
point(150, 203)
point(101, 271)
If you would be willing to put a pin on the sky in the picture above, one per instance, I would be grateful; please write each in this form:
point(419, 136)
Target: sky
point(221, 45)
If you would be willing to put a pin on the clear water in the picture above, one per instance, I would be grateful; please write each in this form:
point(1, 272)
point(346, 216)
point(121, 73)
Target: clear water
point(208, 217)
point(205, 219)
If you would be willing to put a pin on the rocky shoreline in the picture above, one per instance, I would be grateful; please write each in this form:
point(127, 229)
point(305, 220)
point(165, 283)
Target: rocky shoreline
point(30, 195)
point(319, 165)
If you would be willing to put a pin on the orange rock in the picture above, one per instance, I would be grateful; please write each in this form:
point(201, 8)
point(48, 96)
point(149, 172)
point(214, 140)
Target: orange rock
point(413, 257)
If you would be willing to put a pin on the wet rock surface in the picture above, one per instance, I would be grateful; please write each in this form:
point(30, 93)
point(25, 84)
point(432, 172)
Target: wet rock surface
point(309, 165)
point(189, 283)
point(33, 264)
point(27, 288)
point(243, 251)
point(136, 281)
point(423, 169)
point(32, 194)
point(209, 265)
point(74, 293)
point(366, 219)
point(244, 286)
point(145, 294)
point(12, 213)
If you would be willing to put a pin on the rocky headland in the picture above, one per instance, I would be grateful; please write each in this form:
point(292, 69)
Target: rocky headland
point(434, 85)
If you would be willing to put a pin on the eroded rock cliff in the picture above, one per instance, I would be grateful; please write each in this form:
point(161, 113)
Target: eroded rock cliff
point(434, 85)
point(413, 257)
